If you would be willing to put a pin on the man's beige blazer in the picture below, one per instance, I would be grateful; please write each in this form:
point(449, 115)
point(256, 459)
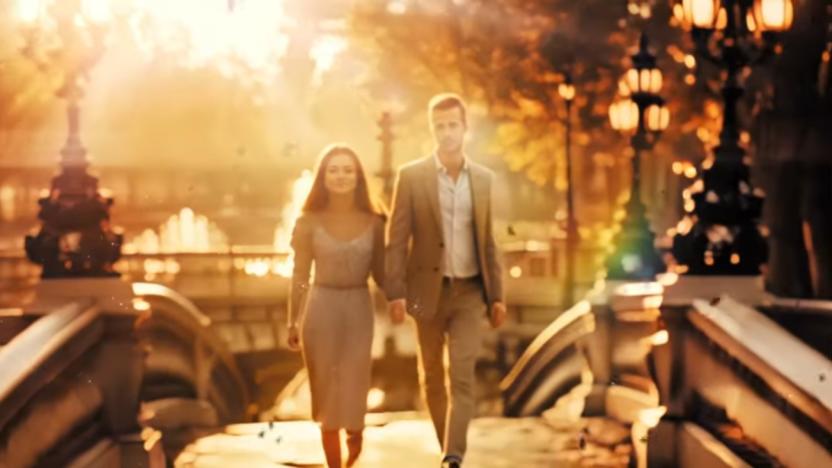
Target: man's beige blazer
point(415, 242)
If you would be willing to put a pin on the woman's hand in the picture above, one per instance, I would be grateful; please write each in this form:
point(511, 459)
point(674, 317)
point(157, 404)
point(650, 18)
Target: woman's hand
point(397, 310)
point(294, 338)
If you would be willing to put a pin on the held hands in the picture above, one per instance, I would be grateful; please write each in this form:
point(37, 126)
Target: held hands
point(397, 309)
point(498, 314)
point(294, 338)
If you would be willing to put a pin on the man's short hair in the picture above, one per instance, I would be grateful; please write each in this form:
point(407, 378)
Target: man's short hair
point(445, 101)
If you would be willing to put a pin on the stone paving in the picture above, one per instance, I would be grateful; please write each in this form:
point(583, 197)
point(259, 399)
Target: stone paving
point(408, 441)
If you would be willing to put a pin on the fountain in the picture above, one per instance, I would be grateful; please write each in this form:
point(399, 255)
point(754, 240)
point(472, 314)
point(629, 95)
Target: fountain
point(185, 232)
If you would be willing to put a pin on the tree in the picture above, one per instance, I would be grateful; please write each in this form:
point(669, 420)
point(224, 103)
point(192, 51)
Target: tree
point(507, 57)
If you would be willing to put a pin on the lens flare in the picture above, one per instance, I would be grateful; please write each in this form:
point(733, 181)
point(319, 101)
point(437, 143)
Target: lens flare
point(245, 43)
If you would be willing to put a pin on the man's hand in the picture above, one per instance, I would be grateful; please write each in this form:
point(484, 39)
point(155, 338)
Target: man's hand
point(498, 314)
point(397, 309)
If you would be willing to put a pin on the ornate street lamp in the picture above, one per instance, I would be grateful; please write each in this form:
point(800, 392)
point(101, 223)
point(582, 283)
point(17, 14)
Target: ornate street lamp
point(725, 237)
point(643, 116)
point(386, 137)
point(759, 15)
point(771, 15)
point(76, 238)
point(624, 115)
point(658, 116)
point(701, 14)
point(566, 90)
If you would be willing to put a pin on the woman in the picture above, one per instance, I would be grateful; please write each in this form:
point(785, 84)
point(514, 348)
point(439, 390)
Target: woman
point(342, 232)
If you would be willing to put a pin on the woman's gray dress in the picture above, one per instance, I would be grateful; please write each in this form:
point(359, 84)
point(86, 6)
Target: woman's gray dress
point(337, 317)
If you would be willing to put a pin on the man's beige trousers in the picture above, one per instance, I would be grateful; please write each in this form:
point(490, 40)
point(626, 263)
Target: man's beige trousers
point(458, 323)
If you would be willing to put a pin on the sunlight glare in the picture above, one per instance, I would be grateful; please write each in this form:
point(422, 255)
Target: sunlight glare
point(249, 41)
point(324, 52)
point(30, 11)
point(291, 212)
point(96, 11)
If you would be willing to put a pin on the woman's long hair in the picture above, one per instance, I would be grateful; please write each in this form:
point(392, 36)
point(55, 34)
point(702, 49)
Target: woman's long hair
point(318, 197)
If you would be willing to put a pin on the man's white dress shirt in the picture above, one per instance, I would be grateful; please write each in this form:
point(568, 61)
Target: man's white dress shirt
point(457, 212)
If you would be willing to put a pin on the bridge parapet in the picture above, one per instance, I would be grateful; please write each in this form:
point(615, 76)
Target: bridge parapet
point(69, 386)
point(756, 388)
point(93, 368)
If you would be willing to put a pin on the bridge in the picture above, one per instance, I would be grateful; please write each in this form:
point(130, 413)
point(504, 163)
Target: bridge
point(109, 372)
point(134, 352)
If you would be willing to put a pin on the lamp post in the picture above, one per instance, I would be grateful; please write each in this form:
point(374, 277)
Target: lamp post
point(76, 238)
point(644, 116)
point(386, 137)
point(566, 90)
point(725, 237)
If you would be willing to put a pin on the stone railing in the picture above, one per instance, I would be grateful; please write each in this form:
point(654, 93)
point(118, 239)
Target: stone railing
point(741, 390)
point(185, 360)
point(93, 369)
point(69, 388)
point(550, 365)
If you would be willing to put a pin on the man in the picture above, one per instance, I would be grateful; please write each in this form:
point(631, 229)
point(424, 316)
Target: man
point(443, 269)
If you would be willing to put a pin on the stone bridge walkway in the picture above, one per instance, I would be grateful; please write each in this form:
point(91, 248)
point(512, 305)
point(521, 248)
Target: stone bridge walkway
point(407, 441)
